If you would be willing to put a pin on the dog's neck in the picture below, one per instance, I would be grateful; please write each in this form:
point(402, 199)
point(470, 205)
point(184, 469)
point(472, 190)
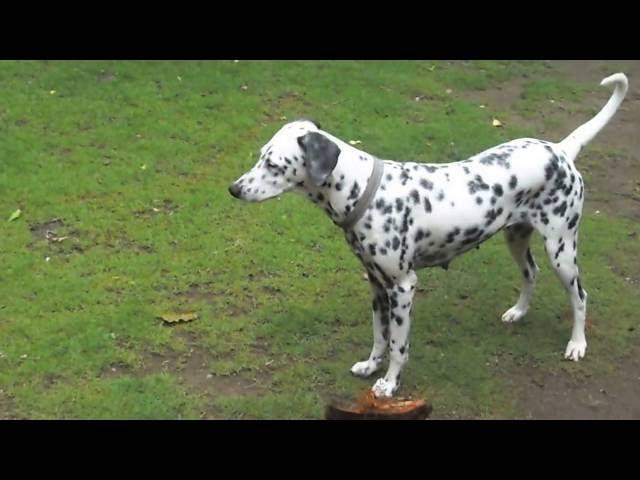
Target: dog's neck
point(346, 184)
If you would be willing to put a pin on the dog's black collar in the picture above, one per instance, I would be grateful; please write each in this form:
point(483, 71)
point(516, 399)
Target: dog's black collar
point(363, 202)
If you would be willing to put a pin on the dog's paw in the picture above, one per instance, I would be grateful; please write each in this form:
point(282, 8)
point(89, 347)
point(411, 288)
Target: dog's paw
point(384, 389)
point(513, 314)
point(575, 350)
point(364, 369)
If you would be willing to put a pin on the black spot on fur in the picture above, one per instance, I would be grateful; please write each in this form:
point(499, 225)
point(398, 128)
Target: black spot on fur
point(477, 184)
point(560, 209)
point(574, 221)
point(513, 182)
point(530, 261)
point(452, 235)
point(426, 184)
point(355, 191)
point(580, 290)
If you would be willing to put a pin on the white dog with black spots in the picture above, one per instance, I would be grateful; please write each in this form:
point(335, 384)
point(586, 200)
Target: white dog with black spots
point(399, 217)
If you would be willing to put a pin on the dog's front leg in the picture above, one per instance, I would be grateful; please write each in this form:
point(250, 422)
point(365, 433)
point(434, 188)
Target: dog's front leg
point(400, 306)
point(380, 330)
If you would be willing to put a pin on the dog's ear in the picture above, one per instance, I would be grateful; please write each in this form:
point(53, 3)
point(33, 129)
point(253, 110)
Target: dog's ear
point(321, 154)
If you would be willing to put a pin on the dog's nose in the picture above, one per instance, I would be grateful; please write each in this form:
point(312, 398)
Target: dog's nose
point(235, 190)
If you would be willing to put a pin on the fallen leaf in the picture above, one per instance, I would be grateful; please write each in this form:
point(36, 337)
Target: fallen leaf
point(482, 106)
point(179, 78)
point(354, 142)
point(496, 123)
point(15, 215)
point(178, 317)
point(143, 167)
point(432, 68)
point(448, 90)
point(52, 92)
point(244, 87)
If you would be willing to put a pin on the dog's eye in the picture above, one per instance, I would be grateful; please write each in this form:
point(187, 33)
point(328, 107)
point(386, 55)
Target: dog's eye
point(271, 165)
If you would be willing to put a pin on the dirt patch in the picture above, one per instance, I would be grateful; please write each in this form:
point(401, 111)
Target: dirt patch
point(200, 292)
point(502, 98)
point(558, 395)
point(46, 230)
point(279, 106)
point(61, 239)
point(191, 369)
point(7, 407)
point(105, 76)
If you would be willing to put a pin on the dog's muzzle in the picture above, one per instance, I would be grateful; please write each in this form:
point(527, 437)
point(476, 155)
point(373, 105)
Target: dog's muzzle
point(235, 190)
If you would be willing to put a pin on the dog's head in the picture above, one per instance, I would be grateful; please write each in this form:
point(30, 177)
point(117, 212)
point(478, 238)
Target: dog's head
point(298, 154)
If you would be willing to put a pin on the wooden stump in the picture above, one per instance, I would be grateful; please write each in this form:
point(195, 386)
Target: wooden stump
point(370, 408)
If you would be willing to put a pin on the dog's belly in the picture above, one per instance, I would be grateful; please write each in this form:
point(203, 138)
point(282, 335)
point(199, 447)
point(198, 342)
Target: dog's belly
point(443, 245)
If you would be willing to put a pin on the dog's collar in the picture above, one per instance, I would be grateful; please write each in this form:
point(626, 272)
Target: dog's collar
point(362, 203)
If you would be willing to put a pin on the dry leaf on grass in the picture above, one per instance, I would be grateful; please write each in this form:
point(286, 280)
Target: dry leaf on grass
point(178, 317)
point(496, 123)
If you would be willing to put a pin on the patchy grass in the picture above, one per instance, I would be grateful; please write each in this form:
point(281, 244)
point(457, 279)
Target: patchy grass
point(121, 171)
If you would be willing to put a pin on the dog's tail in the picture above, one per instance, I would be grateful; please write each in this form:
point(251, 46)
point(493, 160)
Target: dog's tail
point(582, 135)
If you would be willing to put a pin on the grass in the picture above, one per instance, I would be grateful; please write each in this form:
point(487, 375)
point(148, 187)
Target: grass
point(134, 159)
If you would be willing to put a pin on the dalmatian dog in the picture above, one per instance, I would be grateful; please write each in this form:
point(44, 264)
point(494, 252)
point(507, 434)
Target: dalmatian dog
point(402, 216)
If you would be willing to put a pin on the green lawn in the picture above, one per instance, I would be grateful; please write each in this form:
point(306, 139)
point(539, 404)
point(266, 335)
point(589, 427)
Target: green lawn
point(130, 161)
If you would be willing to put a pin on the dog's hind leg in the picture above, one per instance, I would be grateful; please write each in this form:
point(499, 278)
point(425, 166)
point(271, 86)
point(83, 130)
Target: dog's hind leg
point(518, 237)
point(562, 251)
point(380, 331)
